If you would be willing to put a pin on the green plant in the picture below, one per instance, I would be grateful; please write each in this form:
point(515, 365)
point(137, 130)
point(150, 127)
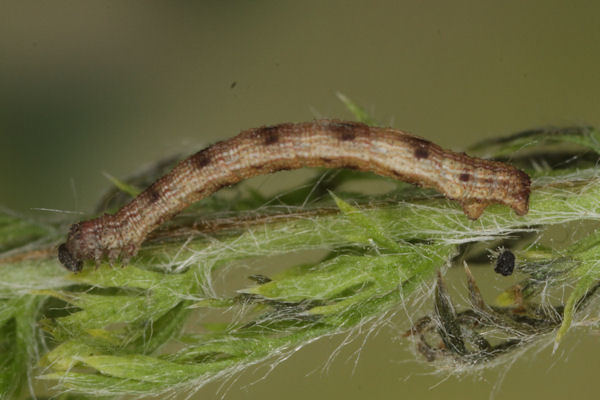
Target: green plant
point(107, 331)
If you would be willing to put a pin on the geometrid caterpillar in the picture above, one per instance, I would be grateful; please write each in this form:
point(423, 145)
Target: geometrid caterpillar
point(474, 183)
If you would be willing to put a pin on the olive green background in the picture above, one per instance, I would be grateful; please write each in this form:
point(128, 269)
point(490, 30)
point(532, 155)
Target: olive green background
point(93, 87)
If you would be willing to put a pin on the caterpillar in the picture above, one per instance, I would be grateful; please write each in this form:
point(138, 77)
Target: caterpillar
point(473, 182)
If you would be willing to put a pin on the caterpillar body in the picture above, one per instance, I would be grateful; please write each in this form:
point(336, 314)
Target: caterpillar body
point(475, 183)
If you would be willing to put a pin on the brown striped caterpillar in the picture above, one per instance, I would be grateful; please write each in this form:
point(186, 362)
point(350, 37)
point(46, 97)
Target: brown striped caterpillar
point(474, 183)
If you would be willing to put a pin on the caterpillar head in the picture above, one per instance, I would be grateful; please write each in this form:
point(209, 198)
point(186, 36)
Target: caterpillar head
point(67, 259)
point(82, 244)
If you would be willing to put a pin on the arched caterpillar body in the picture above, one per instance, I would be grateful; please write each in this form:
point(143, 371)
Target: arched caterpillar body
point(473, 182)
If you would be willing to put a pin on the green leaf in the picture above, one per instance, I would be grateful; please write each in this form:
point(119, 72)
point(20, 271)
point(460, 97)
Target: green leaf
point(583, 136)
point(334, 278)
point(359, 113)
point(123, 186)
point(113, 327)
point(367, 229)
point(16, 231)
point(587, 275)
point(18, 343)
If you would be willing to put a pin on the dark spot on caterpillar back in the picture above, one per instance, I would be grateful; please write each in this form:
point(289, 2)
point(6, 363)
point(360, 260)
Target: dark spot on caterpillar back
point(505, 264)
point(346, 130)
point(465, 177)
point(201, 159)
point(269, 134)
point(348, 136)
point(153, 194)
point(421, 147)
point(421, 153)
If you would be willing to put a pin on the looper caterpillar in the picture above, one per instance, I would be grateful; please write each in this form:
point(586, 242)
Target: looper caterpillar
point(473, 182)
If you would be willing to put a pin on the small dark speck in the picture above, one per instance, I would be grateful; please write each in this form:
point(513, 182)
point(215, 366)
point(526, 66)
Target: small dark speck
point(233, 84)
point(465, 177)
point(201, 159)
point(421, 153)
point(269, 134)
point(505, 264)
point(153, 194)
point(348, 136)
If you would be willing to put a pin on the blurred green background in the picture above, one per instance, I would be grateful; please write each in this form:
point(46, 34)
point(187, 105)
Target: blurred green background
point(108, 86)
